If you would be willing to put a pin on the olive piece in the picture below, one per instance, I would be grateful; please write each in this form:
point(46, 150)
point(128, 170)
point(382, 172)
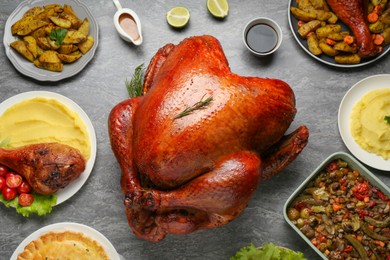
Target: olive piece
point(300, 223)
point(305, 213)
point(293, 214)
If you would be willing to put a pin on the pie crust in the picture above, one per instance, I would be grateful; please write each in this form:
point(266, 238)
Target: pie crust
point(63, 246)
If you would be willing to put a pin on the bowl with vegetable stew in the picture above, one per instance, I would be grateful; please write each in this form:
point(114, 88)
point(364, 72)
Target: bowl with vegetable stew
point(342, 211)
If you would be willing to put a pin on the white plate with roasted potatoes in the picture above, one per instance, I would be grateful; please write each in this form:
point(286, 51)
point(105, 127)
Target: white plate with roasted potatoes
point(332, 50)
point(51, 40)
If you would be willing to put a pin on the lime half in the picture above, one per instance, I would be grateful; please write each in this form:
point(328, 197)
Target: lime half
point(218, 8)
point(178, 17)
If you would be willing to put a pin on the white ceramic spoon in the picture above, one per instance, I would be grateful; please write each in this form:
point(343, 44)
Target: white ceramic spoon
point(120, 16)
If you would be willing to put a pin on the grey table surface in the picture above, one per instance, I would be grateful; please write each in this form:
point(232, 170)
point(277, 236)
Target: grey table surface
point(100, 86)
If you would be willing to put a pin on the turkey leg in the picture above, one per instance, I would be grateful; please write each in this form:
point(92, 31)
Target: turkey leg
point(47, 167)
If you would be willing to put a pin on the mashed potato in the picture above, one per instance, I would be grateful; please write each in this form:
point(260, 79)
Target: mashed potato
point(368, 125)
point(42, 120)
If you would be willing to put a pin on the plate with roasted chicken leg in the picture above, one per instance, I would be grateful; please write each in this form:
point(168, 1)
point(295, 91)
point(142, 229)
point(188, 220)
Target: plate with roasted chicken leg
point(324, 30)
point(49, 140)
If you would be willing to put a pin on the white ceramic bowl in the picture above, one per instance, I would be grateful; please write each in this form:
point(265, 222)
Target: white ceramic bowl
point(265, 21)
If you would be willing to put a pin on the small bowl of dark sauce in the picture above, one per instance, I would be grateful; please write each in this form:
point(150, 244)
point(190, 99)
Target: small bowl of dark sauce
point(262, 36)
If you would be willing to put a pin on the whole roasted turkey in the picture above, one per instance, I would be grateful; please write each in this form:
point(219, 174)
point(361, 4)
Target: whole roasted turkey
point(194, 147)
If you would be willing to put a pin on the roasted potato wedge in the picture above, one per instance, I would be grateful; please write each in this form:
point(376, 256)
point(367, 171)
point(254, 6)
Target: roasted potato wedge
point(43, 43)
point(302, 15)
point(313, 44)
point(66, 48)
point(69, 10)
point(69, 58)
point(347, 59)
point(49, 57)
point(64, 23)
point(309, 27)
point(84, 27)
point(20, 46)
point(74, 37)
point(86, 45)
point(343, 47)
point(31, 45)
point(33, 11)
point(324, 31)
point(327, 49)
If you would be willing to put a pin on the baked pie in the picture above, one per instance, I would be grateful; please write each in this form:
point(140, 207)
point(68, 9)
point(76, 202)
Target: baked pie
point(63, 246)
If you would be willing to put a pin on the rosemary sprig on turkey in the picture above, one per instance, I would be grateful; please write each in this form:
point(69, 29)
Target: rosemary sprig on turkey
point(134, 86)
point(198, 105)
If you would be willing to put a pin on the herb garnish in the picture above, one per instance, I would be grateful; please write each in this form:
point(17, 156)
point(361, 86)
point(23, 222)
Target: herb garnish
point(134, 86)
point(387, 119)
point(58, 35)
point(198, 105)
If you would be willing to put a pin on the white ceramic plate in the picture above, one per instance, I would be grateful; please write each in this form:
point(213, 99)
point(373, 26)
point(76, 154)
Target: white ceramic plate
point(66, 226)
point(324, 58)
point(28, 68)
point(74, 186)
point(348, 102)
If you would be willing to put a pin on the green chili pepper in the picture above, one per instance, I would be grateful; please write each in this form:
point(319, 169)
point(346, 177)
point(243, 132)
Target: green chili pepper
point(372, 233)
point(378, 223)
point(357, 245)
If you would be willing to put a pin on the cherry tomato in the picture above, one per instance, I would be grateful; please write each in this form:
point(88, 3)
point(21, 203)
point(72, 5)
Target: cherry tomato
point(2, 183)
point(3, 171)
point(26, 199)
point(24, 187)
point(9, 193)
point(13, 180)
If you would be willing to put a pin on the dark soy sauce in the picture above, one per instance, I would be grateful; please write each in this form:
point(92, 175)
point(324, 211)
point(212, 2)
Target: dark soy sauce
point(261, 38)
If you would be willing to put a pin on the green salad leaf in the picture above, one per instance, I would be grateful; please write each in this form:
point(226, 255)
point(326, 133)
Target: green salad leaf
point(42, 205)
point(269, 251)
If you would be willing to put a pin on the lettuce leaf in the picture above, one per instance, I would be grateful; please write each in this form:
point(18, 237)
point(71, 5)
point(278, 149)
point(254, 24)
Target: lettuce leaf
point(269, 251)
point(42, 205)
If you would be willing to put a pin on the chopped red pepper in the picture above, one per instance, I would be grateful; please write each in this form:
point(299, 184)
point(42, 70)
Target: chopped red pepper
point(361, 190)
point(371, 203)
point(348, 249)
point(380, 195)
point(363, 213)
point(332, 167)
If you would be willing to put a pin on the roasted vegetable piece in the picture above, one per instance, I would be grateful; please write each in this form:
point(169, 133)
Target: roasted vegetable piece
point(327, 49)
point(61, 22)
point(86, 45)
point(31, 45)
point(309, 27)
point(49, 57)
point(342, 46)
point(69, 58)
point(319, 5)
point(324, 31)
point(20, 46)
point(84, 27)
point(33, 11)
point(43, 43)
point(302, 15)
point(386, 35)
point(74, 37)
point(313, 44)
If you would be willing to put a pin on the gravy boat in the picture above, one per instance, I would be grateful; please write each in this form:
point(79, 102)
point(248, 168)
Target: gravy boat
point(130, 14)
